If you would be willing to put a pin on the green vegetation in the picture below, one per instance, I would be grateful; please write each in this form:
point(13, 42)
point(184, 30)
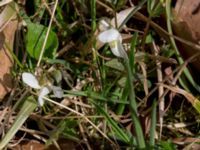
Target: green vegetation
point(133, 92)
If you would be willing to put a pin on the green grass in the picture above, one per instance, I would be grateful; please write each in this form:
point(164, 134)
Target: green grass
point(108, 102)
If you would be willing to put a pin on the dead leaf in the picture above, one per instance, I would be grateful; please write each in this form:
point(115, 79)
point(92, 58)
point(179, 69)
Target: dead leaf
point(6, 62)
point(186, 140)
point(192, 99)
point(64, 144)
point(33, 145)
point(187, 26)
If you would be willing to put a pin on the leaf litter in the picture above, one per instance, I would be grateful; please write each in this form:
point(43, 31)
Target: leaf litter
point(98, 109)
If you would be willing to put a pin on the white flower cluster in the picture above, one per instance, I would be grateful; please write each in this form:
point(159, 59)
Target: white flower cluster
point(31, 80)
point(114, 39)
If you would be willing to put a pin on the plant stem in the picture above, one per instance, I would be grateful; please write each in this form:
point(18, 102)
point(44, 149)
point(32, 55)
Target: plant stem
point(133, 107)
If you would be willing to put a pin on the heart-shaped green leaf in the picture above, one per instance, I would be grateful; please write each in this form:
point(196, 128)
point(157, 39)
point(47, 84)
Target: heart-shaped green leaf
point(35, 38)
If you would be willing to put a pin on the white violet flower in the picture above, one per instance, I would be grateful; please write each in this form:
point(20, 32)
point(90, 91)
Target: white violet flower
point(114, 39)
point(31, 80)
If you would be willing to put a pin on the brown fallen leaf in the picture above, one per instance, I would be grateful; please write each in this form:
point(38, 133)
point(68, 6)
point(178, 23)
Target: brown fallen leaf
point(187, 26)
point(7, 35)
point(192, 99)
point(33, 145)
point(185, 140)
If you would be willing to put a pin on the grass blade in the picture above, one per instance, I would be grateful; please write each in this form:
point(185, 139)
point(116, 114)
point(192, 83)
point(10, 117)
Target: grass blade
point(119, 132)
point(132, 99)
point(169, 27)
point(27, 108)
point(153, 125)
point(93, 14)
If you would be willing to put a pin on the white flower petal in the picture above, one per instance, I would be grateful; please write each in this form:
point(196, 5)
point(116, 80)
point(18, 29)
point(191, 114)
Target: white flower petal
point(117, 49)
point(110, 36)
point(103, 25)
point(30, 80)
point(114, 48)
point(57, 91)
point(43, 92)
point(121, 16)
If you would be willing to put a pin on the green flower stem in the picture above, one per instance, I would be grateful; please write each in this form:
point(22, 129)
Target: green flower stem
point(133, 104)
point(133, 107)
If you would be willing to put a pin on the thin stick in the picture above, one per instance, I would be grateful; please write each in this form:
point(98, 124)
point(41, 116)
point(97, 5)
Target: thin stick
point(160, 88)
point(82, 115)
point(48, 30)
